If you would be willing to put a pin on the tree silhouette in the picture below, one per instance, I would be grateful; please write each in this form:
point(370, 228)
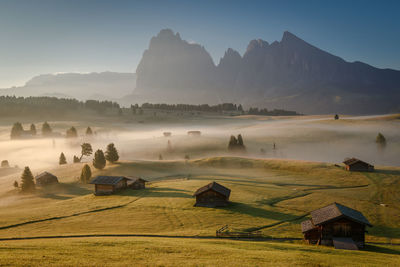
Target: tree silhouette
point(62, 159)
point(86, 150)
point(336, 116)
point(33, 129)
point(112, 153)
point(76, 159)
point(5, 164)
point(72, 132)
point(16, 130)
point(15, 184)
point(99, 161)
point(86, 174)
point(380, 139)
point(89, 131)
point(27, 183)
point(46, 129)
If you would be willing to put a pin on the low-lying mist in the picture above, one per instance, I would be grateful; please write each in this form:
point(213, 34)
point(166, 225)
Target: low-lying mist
point(300, 138)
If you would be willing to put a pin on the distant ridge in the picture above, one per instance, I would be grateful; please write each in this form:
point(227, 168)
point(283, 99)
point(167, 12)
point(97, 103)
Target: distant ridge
point(289, 74)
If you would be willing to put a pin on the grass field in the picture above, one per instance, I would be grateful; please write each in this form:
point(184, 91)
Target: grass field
point(67, 225)
point(268, 195)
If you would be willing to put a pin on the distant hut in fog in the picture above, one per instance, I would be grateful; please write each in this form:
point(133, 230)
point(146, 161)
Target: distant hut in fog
point(194, 133)
point(212, 195)
point(137, 183)
point(167, 134)
point(354, 164)
point(45, 179)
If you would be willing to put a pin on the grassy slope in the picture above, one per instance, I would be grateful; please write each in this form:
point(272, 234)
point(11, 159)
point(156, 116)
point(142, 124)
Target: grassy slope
point(264, 192)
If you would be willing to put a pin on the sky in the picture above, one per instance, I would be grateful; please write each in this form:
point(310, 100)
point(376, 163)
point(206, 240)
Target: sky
point(55, 36)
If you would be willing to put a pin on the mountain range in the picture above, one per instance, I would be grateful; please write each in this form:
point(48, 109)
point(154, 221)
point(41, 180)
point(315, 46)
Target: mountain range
point(289, 74)
point(82, 86)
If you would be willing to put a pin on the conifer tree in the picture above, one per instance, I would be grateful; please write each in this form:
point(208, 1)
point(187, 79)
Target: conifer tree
point(16, 130)
point(76, 159)
point(336, 116)
point(160, 157)
point(89, 131)
point(380, 139)
point(112, 153)
point(240, 140)
point(62, 159)
point(99, 161)
point(15, 184)
point(72, 132)
point(46, 129)
point(27, 183)
point(86, 174)
point(33, 129)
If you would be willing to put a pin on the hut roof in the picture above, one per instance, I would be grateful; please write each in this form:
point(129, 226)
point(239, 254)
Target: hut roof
point(351, 161)
point(133, 179)
point(214, 186)
point(336, 210)
point(108, 180)
point(307, 226)
point(45, 174)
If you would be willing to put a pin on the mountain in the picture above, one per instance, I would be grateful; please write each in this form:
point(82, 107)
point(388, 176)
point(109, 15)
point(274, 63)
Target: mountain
point(290, 74)
point(98, 86)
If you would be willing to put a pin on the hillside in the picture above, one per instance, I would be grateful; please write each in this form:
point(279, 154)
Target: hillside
point(272, 196)
point(96, 86)
point(289, 74)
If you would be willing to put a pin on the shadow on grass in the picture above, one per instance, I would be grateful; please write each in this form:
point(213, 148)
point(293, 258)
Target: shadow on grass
point(63, 191)
point(391, 172)
point(384, 231)
point(379, 249)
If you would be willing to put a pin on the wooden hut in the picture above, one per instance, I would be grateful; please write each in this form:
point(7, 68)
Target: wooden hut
point(137, 183)
point(354, 164)
point(167, 134)
point(212, 195)
point(336, 225)
point(107, 185)
point(46, 178)
point(194, 133)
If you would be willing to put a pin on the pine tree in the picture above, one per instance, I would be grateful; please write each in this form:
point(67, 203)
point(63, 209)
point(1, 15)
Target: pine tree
point(76, 159)
point(99, 161)
point(72, 132)
point(160, 157)
point(27, 183)
point(240, 140)
point(86, 174)
point(89, 131)
point(380, 139)
point(33, 129)
point(232, 143)
point(336, 116)
point(15, 184)
point(16, 130)
point(46, 129)
point(86, 150)
point(112, 153)
point(62, 159)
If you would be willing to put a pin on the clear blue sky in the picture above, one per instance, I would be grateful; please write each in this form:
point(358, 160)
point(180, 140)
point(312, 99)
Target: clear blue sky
point(50, 36)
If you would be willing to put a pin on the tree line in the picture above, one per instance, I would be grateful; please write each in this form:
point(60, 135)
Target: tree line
point(15, 106)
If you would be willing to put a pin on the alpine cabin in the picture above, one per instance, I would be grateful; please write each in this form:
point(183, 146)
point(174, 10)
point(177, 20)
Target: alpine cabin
point(107, 185)
point(46, 178)
point(336, 225)
point(137, 183)
point(354, 164)
point(212, 195)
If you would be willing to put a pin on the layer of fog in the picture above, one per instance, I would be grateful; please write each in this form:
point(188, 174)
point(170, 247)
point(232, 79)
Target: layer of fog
point(304, 139)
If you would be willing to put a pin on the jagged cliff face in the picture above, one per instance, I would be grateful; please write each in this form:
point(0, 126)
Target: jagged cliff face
point(172, 63)
point(289, 74)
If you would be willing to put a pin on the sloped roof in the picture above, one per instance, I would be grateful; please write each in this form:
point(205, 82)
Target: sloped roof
point(108, 180)
point(351, 161)
point(215, 187)
point(336, 210)
point(133, 179)
point(45, 174)
point(307, 226)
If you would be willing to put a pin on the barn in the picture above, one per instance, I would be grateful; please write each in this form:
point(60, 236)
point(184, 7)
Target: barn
point(137, 183)
point(336, 225)
point(107, 185)
point(354, 164)
point(212, 195)
point(46, 178)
